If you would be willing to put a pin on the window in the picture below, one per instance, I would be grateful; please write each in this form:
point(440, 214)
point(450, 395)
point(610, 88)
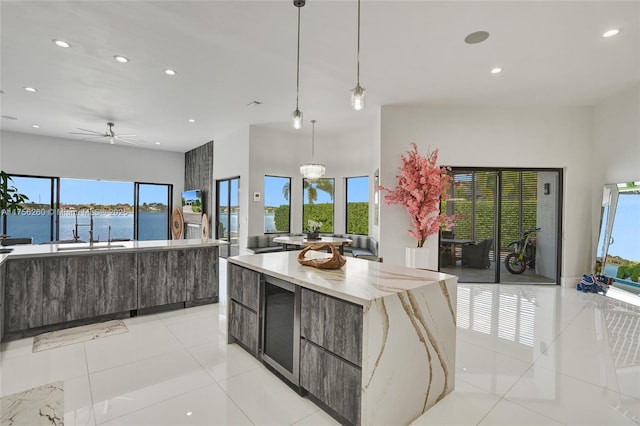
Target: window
point(111, 204)
point(56, 205)
point(357, 189)
point(37, 220)
point(318, 203)
point(277, 204)
point(152, 211)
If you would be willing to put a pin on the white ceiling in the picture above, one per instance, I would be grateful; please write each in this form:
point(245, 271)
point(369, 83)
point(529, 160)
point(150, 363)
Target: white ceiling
point(229, 53)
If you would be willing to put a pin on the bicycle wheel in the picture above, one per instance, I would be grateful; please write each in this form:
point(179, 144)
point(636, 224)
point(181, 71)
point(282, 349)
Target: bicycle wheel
point(514, 264)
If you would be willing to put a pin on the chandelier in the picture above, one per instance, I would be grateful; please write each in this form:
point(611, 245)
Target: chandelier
point(312, 171)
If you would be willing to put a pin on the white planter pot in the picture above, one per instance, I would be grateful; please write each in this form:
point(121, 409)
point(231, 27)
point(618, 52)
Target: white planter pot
point(420, 257)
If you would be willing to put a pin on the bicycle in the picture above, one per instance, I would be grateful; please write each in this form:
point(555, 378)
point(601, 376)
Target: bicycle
point(524, 253)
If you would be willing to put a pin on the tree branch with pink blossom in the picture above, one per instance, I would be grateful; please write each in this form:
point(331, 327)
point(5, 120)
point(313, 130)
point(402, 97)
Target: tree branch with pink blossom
point(422, 184)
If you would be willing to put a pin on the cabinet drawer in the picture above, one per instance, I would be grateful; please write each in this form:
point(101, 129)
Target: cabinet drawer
point(332, 380)
point(334, 324)
point(243, 326)
point(244, 286)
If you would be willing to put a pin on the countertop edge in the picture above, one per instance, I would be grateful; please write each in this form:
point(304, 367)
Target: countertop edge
point(364, 302)
point(52, 250)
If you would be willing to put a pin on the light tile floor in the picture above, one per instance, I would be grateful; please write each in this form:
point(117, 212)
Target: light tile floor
point(529, 355)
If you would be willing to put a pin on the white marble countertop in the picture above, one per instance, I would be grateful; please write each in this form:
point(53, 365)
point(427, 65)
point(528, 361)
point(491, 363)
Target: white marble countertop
point(359, 281)
point(22, 251)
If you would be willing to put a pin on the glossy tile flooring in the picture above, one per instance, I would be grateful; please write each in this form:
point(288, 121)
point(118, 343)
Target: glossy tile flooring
point(531, 355)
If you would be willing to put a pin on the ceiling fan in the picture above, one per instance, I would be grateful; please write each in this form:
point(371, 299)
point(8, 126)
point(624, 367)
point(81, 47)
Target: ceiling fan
point(109, 134)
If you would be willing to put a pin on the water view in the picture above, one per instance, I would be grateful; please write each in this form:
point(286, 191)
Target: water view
point(153, 226)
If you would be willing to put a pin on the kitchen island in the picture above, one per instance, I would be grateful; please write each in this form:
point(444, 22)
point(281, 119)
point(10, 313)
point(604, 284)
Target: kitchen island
point(53, 286)
point(371, 343)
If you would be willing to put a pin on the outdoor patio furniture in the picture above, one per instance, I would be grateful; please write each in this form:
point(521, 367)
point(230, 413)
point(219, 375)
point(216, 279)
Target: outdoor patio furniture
point(476, 255)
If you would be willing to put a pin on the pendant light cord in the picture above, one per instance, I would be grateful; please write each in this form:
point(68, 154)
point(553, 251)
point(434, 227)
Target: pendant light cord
point(358, 53)
point(298, 62)
point(313, 138)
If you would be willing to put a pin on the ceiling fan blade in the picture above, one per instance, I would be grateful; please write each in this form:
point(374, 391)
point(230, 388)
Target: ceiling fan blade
point(90, 131)
point(119, 138)
point(94, 137)
point(88, 134)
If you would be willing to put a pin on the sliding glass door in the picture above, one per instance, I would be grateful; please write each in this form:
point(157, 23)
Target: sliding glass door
point(496, 208)
point(227, 213)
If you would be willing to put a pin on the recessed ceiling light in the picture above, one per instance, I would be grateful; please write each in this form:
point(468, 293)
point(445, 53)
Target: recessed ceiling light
point(612, 32)
point(157, 143)
point(496, 70)
point(31, 89)
point(35, 126)
point(121, 59)
point(476, 37)
point(189, 413)
point(61, 43)
point(169, 72)
point(191, 120)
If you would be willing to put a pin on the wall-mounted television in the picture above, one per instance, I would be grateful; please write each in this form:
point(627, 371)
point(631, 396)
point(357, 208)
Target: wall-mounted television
point(192, 206)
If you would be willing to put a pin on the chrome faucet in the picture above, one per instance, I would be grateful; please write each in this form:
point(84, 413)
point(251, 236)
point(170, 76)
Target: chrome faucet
point(76, 235)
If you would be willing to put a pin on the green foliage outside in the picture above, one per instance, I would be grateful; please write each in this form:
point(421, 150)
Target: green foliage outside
point(196, 207)
point(484, 219)
point(629, 272)
point(319, 213)
point(358, 218)
point(281, 218)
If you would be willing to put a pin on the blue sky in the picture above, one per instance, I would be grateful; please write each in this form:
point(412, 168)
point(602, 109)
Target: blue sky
point(358, 191)
point(81, 191)
point(626, 228)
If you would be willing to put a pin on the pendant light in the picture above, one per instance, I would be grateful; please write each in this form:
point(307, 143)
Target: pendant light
point(297, 114)
point(358, 92)
point(312, 171)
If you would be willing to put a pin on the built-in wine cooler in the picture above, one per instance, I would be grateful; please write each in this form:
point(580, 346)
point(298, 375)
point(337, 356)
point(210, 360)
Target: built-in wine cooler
point(281, 328)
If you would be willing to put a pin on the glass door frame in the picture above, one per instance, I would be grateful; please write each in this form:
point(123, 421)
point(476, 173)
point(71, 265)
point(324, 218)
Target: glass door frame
point(228, 205)
point(136, 204)
point(497, 210)
point(54, 205)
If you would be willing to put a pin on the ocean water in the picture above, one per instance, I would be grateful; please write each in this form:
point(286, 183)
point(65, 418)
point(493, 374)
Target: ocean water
point(153, 226)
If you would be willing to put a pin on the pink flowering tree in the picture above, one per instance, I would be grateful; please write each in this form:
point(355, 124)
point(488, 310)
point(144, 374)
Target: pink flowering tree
point(421, 186)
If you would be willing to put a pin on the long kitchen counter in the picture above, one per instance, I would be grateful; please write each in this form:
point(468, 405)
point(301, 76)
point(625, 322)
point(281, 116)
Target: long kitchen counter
point(53, 286)
point(376, 341)
point(28, 250)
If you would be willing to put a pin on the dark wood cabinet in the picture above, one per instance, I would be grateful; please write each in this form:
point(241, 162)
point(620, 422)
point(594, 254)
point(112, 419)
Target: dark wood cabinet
point(243, 326)
point(68, 290)
point(23, 295)
point(202, 274)
point(244, 286)
point(244, 294)
point(3, 268)
point(333, 324)
point(161, 278)
point(115, 278)
point(332, 380)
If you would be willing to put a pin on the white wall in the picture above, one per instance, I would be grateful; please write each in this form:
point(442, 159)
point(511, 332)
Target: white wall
point(29, 154)
point(616, 147)
point(231, 159)
point(558, 137)
point(546, 219)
